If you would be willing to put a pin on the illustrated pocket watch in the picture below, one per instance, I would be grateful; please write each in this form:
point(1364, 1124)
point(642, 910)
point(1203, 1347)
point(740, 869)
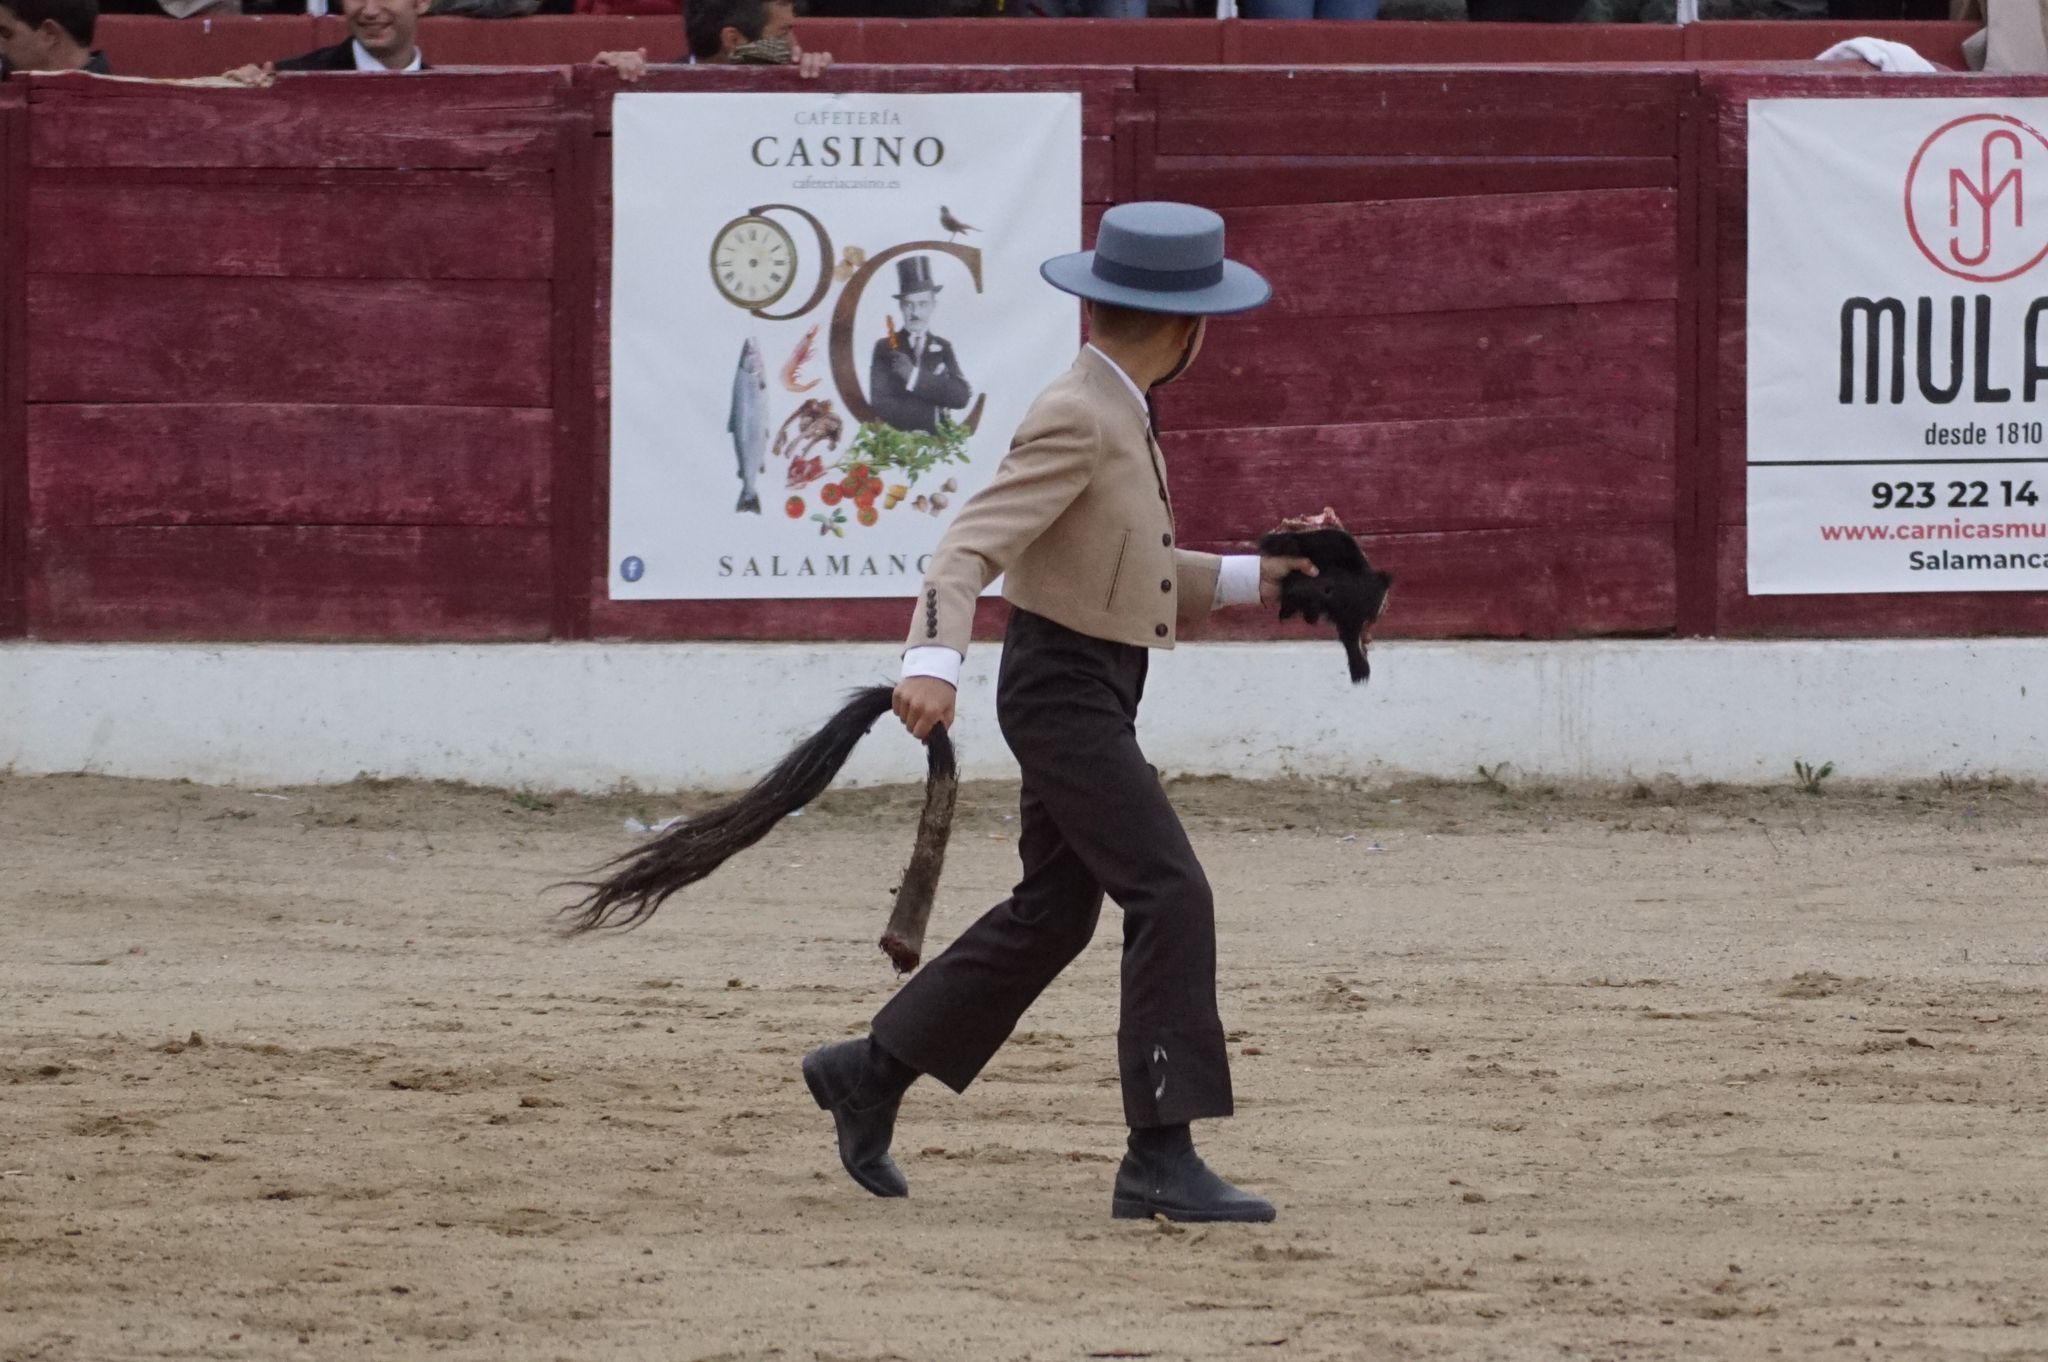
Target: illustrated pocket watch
point(753, 262)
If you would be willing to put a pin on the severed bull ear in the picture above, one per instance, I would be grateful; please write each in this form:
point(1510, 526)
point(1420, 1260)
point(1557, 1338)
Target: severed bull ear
point(1346, 590)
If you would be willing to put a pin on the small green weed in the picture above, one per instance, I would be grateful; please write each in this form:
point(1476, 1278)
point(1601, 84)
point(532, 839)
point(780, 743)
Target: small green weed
point(1809, 778)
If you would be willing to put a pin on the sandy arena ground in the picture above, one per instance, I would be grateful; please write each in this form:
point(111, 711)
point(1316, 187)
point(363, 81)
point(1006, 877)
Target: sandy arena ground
point(1626, 1074)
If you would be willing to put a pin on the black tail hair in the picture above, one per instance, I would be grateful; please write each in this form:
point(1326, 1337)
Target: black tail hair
point(691, 850)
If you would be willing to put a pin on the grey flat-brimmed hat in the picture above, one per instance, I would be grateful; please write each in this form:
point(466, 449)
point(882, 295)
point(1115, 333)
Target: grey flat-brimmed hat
point(1160, 257)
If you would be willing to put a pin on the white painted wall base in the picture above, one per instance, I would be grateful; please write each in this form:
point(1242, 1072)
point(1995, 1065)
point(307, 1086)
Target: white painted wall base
point(663, 716)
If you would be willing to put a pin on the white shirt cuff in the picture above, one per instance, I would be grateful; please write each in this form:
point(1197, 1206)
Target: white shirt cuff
point(1238, 582)
point(942, 663)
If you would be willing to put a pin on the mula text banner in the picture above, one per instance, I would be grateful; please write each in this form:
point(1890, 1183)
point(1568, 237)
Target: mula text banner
point(1897, 345)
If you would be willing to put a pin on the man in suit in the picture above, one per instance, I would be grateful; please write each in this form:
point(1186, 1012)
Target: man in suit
point(1079, 524)
point(383, 38)
point(913, 375)
point(50, 35)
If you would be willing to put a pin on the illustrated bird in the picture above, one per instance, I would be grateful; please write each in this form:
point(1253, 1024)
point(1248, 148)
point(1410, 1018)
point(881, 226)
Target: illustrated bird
point(953, 225)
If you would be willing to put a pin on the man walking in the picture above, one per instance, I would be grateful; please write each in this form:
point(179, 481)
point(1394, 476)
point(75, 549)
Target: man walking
point(1079, 523)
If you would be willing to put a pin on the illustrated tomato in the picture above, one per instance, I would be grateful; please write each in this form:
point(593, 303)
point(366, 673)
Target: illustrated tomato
point(859, 470)
point(831, 493)
point(866, 497)
point(868, 514)
point(795, 507)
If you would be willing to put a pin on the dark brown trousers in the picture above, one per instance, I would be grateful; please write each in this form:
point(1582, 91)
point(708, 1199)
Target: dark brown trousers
point(1094, 818)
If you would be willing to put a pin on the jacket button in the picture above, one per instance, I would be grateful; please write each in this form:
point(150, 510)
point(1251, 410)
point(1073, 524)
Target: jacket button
point(1160, 630)
point(1165, 541)
point(1166, 586)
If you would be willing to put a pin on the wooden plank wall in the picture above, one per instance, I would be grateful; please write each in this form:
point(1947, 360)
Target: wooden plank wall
point(329, 361)
point(1723, 508)
point(142, 45)
point(292, 361)
point(1473, 348)
point(13, 362)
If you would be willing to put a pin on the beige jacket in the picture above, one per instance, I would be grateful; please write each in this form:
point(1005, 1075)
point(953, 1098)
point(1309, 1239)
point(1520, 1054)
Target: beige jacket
point(1077, 522)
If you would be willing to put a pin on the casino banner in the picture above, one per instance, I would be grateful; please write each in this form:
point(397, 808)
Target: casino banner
point(827, 321)
point(1898, 345)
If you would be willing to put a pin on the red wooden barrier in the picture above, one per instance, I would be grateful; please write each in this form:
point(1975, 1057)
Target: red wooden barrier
point(330, 361)
point(141, 45)
point(300, 363)
point(1776, 40)
point(146, 45)
point(1027, 42)
point(13, 363)
point(1392, 43)
point(1472, 349)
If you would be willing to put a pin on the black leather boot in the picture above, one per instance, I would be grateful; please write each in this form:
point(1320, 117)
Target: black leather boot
point(861, 1084)
point(1163, 1175)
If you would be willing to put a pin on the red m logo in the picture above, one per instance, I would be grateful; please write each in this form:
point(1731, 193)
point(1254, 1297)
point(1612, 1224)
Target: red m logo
point(1985, 195)
point(1966, 197)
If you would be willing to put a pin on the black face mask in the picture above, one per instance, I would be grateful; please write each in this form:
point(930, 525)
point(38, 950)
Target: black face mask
point(1187, 357)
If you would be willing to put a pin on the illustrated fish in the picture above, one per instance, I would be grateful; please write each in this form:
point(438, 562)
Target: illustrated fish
point(792, 372)
point(748, 422)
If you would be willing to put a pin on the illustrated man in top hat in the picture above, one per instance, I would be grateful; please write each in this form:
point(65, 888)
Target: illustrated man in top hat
point(1079, 523)
point(914, 375)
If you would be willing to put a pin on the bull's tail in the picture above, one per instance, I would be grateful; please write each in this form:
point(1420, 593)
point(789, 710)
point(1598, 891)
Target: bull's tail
point(903, 939)
point(645, 876)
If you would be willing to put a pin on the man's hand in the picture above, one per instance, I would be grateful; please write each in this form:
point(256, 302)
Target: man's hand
point(924, 703)
point(903, 366)
point(255, 77)
point(809, 65)
point(1271, 570)
point(631, 66)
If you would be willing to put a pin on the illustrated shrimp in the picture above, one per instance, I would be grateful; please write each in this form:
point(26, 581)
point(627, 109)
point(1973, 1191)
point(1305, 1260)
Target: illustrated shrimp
point(792, 372)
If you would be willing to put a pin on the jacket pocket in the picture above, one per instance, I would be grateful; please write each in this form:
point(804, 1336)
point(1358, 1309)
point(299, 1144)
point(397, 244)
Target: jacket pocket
point(1115, 573)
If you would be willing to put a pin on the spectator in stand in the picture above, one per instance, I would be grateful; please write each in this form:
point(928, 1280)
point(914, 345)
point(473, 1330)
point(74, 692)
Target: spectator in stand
point(50, 35)
point(2014, 38)
point(383, 38)
point(731, 32)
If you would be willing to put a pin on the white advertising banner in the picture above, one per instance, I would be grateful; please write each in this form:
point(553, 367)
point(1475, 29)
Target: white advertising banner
point(826, 321)
point(1898, 345)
